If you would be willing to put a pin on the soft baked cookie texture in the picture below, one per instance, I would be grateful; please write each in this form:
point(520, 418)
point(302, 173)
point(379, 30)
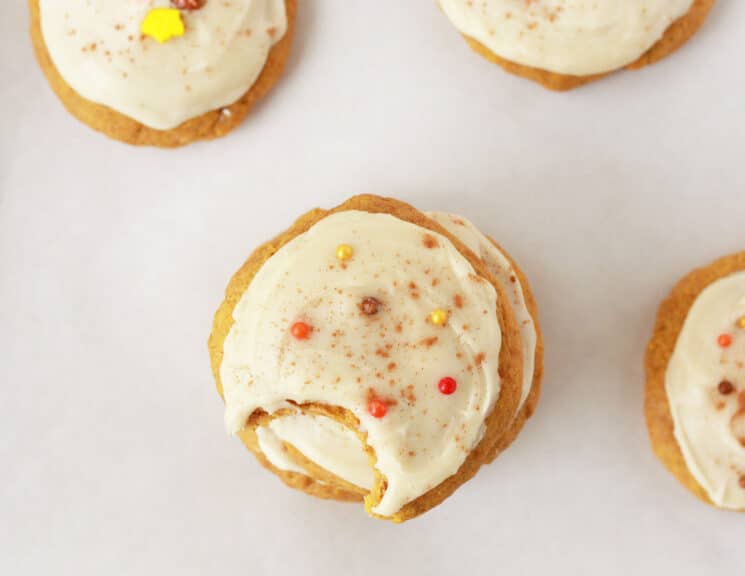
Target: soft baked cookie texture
point(377, 353)
point(134, 70)
point(564, 44)
point(695, 391)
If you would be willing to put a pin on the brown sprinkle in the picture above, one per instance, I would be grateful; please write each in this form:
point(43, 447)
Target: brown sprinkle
point(725, 387)
point(370, 306)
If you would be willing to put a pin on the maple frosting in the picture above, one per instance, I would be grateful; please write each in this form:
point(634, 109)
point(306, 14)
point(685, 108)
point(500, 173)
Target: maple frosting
point(576, 37)
point(705, 385)
point(97, 47)
point(335, 448)
point(350, 357)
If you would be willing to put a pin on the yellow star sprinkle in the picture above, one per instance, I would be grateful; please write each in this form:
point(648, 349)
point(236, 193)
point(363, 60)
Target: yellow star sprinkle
point(162, 24)
point(438, 317)
point(344, 252)
point(741, 321)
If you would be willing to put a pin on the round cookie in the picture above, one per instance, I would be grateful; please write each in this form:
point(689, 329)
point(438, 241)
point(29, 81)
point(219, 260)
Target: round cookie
point(496, 425)
point(195, 89)
point(695, 431)
point(552, 73)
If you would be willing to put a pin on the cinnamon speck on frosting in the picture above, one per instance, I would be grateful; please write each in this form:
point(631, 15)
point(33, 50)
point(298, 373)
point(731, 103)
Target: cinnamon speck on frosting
point(407, 394)
point(430, 241)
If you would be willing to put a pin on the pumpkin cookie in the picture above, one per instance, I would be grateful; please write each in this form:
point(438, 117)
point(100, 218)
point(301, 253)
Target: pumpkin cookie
point(373, 352)
point(565, 44)
point(695, 393)
point(160, 73)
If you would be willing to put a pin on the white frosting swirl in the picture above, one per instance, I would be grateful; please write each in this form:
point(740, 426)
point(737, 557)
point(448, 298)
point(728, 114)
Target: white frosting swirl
point(97, 48)
point(395, 355)
point(575, 37)
point(709, 420)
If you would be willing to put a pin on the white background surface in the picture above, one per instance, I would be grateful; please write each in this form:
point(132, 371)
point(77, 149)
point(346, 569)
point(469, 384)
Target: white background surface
point(113, 456)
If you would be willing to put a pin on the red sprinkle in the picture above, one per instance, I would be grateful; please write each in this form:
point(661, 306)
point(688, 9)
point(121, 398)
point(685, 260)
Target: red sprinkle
point(188, 4)
point(300, 330)
point(724, 340)
point(447, 385)
point(377, 408)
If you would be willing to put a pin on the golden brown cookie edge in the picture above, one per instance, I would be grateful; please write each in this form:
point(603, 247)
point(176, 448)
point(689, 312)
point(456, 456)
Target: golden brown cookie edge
point(671, 317)
point(119, 127)
point(677, 34)
point(531, 402)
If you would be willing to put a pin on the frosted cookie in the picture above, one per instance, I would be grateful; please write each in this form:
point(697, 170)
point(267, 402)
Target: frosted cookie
point(373, 352)
point(695, 393)
point(563, 44)
point(159, 72)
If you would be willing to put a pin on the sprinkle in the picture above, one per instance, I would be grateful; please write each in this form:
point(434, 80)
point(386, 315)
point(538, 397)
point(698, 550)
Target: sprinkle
point(742, 481)
point(447, 385)
point(188, 4)
point(724, 340)
point(344, 252)
point(741, 322)
point(300, 330)
point(725, 387)
point(377, 408)
point(162, 24)
point(438, 317)
point(370, 306)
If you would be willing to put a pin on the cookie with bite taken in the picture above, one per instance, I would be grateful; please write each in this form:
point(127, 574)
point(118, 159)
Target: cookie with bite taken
point(162, 72)
point(377, 353)
point(564, 44)
point(695, 392)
